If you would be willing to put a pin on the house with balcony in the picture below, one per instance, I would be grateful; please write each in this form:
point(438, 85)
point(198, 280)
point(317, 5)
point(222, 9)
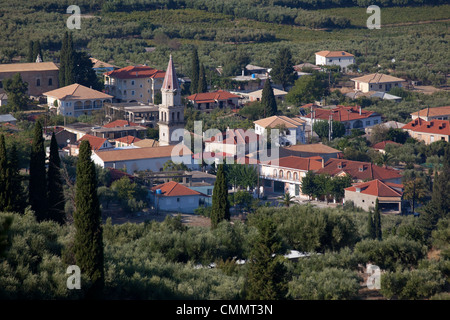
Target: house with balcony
point(292, 130)
point(285, 174)
point(76, 100)
point(208, 101)
point(353, 117)
point(233, 143)
point(134, 84)
point(335, 58)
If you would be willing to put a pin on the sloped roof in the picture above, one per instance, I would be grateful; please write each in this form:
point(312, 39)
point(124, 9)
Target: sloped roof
point(205, 97)
point(433, 112)
point(334, 54)
point(234, 136)
point(32, 66)
point(95, 142)
point(146, 143)
point(375, 188)
point(133, 72)
point(100, 64)
point(175, 189)
point(76, 91)
point(121, 123)
point(358, 170)
point(274, 121)
point(170, 78)
point(342, 113)
point(381, 145)
point(377, 78)
point(313, 148)
point(294, 162)
point(127, 139)
point(432, 126)
point(140, 153)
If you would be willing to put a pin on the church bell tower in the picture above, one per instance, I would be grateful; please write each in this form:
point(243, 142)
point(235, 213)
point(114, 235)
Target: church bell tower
point(171, 110)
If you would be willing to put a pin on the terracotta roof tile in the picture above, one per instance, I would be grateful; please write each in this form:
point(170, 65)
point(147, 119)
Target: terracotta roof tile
point(433, 112)
point(205, 97)
point(306, 164)
point(382, 145)
point(358, 170)
point(175, 189)
point(342, 113)
point(334, 54)
point(375, 188)
point(274, 121)
point(141, 153)
point(95, 142)
point(377, 78)
point(121, 123)
point(132, 72)
point(23, 67)
point(77, 91)
point(432, 126)
point(127, 139)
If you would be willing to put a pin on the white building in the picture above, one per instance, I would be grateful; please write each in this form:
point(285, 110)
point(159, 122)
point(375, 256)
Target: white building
point(140, 159)
point(335, 58)
point(293, 133)
point(75, 100)
point(377, 82)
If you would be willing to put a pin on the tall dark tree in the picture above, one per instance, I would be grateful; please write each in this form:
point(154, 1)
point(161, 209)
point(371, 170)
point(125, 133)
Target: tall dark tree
point(38, 180)
point(308, 184)
point(30, 53)
point(266, 279)
point(195, 71)
point(283, 68)
point(37, 50)
point(88, 244)
point(55, 192)
point(439, 205)
point(16, 89)
point(268, 100)
point(62, 60)
point(70, 62)
point(202, 85)
point(377, 221)
point(84, 74)
point(220, 207)
point(371, 226)
point(16, 193)
point(4, 176)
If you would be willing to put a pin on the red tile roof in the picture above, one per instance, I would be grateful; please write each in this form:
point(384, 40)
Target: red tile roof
point(381, 145)
point(293, 162)
point(358, 170)
point(375, 188)
point(211, 97)
point(127, 139)
point(334, 54)
point(174, 189)
point(121, 123)
point(432, 126)
point(95, 142)
point(342, 113)
point(132, 72)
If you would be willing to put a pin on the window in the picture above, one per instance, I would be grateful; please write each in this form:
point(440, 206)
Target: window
point(132, 92)
point(1, 85)
point(367, 123)
point(380, 86)
point(178, 199)
point(132, 82)
point(50, 81)
point(140, 85)
point(38, 82)
point(375, 121)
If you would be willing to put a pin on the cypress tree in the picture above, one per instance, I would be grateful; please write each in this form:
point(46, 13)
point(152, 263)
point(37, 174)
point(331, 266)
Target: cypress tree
point(195, 71)
point(88, 244)
point(55, 190)
point(38, 180)
point(30, 51)
point(220, 207)
point(37, 50)
point(266, 279)
point(371, 227)
point(70, 62)
point(4, 176)
point(202, 85)
point(377, 221)
point(16, 194)
point(268, 101)
point(62, 60)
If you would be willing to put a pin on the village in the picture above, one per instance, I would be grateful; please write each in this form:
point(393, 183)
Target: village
point(140, 128)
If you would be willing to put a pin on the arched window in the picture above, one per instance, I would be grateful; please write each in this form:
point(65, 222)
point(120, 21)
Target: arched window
point(275, 173)
point(295, 176)
point(358, 124)
point(289, 175)
point(280, 173)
